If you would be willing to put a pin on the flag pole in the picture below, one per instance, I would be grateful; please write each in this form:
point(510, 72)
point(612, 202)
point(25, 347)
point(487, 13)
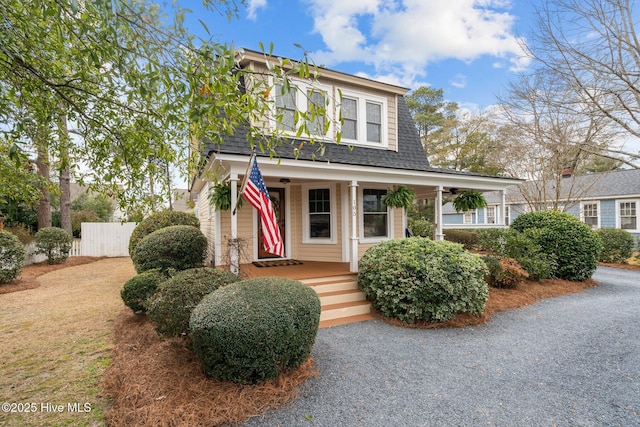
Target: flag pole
point(244, 180)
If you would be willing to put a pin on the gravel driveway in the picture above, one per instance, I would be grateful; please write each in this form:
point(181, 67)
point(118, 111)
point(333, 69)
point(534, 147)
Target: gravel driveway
point(568, 361)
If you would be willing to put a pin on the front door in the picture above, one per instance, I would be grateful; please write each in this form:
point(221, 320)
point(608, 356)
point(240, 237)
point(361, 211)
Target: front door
point(277, 200)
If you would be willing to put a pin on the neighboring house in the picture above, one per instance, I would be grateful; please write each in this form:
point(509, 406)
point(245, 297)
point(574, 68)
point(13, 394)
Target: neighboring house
point(607, 199)
point(329, 209)
point(181, 200)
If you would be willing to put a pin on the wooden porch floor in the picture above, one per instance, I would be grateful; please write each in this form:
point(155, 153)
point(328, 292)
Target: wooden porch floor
point(306, 270)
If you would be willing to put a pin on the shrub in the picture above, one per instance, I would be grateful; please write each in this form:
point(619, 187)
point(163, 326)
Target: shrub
point(493, 240)
point(139, 288)
point(157, 221)
point(416, 278)
point(77, 218)
point(563, 237)
point(523, 248)
point(253, 330)
point(178, 247)
point(12, 256)
point(421, 227)
point(504, 272)
point(55, 243)
point(24, 234)
point(171, 305)
point(467, 238)
point(617, 245)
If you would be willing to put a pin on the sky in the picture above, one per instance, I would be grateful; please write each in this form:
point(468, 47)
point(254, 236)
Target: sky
point(469, 48)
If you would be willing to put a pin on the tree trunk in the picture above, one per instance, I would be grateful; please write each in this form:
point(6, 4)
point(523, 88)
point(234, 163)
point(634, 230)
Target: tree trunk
point(44, 204)
point(65, 180)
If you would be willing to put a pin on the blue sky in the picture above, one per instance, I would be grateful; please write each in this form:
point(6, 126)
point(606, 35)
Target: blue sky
point(469, 48)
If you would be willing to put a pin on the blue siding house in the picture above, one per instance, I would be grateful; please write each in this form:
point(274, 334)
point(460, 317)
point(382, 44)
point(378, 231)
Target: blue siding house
point(603, 200)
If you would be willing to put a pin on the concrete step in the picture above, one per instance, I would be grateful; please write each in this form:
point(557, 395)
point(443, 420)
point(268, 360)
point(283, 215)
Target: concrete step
point(337, 297)
point(345, 309)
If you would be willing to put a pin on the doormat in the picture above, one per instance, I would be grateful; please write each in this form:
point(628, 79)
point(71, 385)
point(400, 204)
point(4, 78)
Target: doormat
point(277, 263)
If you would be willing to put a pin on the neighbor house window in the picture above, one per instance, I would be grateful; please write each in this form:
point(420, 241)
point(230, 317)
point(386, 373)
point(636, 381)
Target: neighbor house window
point(628, 218)
point(507, 215)
point(590, 214)
point(363, 119)
point(491, 215)
point(467, 217)
point(375, 215)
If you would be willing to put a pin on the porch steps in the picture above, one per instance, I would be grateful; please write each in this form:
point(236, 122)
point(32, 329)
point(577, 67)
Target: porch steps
point(342, 302)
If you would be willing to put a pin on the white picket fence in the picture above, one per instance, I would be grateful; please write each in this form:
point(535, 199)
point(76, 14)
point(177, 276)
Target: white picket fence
point(110, 239)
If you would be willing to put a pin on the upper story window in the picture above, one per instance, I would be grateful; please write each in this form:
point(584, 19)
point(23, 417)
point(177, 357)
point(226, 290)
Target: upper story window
point(310, 99)
point(363, 119)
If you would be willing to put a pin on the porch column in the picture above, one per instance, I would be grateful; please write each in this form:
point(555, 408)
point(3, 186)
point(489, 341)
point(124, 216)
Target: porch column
point(438, 214)
point(353, 267)
point(503, 208)
point(234, 261)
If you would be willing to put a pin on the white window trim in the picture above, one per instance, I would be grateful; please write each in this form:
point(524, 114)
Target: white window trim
point(495, 214)
point(474, 214)
point(301, 105)
point(390, 219)
point(306, 239)
point(362, 99)
point(619, 223)
point(591, 202)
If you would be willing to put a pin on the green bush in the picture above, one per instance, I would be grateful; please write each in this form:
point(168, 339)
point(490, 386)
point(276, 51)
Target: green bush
point(55, 243)
point(493, 240)
point(78, 217)
point(178, 247)
point(564, 238)
point(530, 255)
point(416, 278)
point(421, 227)
point(139, 288)
point(467, 238)
point(504, 272)
point(157, 221)
point(253, 330)
point(171, 305)
point(617, 245)
point(12, 256)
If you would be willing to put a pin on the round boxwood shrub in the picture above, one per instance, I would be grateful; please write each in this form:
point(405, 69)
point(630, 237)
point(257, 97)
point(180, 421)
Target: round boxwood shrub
point(573, 246)
point(12, 255)
point(139, 288)
point(617, 245)
point(171, 305)
point(418, 279)
point(255, 329)
point(179, 247)
point(55, 243)
point(160, 220)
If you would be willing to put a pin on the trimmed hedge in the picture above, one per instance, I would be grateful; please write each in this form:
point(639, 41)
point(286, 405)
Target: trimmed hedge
point(254, 330)
point(139, 288)
point(157, 221)
point(178, 247)
point(55, 243)
point(418, 279)
point(174, 300)
point(569, 242)
point(12, 255)
point(617, 245)
point(467, 238)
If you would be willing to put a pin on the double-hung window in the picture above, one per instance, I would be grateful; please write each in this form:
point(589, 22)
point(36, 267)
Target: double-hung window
point(300, 101)
point(467, 217)
point(628, 215)
point(319, 216)
point(491, 215)
point(363, 119)
point(590, 214)
point(375, 216)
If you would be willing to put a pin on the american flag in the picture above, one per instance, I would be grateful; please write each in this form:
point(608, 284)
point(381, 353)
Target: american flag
point(256, 193)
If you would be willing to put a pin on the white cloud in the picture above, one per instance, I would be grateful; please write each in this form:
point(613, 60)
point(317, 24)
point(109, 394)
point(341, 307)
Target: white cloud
point(459, 81)
point(253, 6)
point(402, 37)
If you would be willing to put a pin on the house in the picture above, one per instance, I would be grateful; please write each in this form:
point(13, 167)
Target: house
point(606, 199)
point(329, 208)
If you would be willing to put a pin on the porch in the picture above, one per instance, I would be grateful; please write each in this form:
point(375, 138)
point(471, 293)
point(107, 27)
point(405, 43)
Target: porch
point(342, 302)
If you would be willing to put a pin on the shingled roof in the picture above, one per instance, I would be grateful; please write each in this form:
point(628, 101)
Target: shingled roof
point(409, 156)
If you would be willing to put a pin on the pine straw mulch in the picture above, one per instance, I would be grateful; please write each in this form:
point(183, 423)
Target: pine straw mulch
point(153, 381)
point(27, 278)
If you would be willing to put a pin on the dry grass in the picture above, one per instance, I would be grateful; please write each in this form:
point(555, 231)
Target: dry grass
point(59, 338)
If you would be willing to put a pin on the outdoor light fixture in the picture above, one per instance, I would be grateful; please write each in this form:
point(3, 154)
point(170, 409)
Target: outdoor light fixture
point(284, 180)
